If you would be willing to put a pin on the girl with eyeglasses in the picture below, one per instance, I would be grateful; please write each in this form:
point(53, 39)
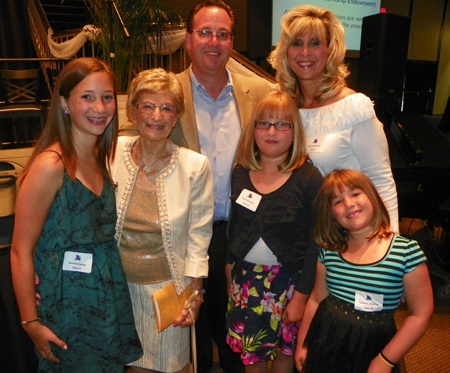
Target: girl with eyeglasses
point(271, 256)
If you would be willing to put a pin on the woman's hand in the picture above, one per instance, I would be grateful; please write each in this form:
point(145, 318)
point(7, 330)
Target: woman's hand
point(185, 319)
point(43, 338)
point(228, 268)
point(295, 308)
point(300, 357)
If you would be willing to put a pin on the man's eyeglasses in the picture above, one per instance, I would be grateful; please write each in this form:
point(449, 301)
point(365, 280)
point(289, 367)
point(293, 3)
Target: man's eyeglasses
point(221, 35)
point(149, 108)
point(279, 126)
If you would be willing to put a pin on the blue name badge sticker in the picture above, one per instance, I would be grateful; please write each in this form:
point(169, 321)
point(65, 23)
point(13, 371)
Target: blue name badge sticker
point(77, 262)
point(249, 199)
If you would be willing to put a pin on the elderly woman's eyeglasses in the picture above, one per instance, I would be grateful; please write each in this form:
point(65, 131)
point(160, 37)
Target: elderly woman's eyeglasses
point(221, 35)
point(279, 126)
point(148, 108)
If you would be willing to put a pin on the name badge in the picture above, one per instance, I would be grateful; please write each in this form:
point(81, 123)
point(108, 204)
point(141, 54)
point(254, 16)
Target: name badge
point(315, 143)
point(249, 199)
point(77, 262)
point(368, 302)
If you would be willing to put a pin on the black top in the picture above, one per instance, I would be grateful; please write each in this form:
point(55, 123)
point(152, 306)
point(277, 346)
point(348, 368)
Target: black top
point(285, 219)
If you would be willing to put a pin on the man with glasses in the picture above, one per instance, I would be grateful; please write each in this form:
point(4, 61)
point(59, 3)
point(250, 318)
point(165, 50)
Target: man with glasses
point(218, 104)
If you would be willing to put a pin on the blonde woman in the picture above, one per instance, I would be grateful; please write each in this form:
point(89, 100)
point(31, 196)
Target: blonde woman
point(341, 126)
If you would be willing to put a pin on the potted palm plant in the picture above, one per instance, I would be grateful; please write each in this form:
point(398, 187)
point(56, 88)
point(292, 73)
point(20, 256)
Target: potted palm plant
point(146, 22)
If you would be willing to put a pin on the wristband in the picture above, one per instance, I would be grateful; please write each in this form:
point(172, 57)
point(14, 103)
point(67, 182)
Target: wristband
point(385, 360)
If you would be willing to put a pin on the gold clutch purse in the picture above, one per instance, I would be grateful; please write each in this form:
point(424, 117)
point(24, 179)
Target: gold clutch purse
point(167, 304)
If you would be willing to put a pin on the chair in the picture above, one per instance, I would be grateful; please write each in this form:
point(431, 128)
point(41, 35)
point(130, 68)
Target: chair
point(20, 92)
point(52, 75)
point(17, 352)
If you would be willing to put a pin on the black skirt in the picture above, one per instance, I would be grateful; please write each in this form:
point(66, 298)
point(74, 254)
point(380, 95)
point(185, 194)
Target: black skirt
point(344, 340)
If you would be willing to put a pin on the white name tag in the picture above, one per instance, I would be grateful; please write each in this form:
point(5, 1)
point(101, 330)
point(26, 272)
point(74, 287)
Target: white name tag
point(315, 144)
point(77, 262)
point(249, 199)
point(368, 302)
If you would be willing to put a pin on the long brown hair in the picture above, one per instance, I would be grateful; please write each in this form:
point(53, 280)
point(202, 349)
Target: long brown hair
point(58, 127)
point(329, 234)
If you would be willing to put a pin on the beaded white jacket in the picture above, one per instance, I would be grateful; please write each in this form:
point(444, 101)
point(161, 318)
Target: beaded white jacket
point(184, 191)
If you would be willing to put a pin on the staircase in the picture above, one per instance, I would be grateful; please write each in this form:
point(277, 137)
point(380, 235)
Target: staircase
point(66, 18)
point(66, 15)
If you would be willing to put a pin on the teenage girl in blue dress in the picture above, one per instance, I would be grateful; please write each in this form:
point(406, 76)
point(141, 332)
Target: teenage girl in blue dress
point(64, 233)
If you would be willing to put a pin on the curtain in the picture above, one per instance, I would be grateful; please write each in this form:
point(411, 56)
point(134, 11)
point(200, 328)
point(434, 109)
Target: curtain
point(169, 42)
point(70, 47)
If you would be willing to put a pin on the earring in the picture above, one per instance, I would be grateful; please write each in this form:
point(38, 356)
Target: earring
point(66, 111)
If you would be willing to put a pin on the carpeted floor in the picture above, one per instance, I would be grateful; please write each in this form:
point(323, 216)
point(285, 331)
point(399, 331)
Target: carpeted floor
point(432, 353)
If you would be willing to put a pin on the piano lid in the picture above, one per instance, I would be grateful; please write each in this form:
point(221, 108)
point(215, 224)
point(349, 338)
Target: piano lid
point(423, 146)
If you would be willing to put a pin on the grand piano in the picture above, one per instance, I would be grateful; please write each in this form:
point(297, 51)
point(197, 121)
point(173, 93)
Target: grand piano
point(420, 160)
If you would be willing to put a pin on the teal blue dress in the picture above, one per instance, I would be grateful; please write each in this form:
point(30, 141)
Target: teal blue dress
point(91, 312)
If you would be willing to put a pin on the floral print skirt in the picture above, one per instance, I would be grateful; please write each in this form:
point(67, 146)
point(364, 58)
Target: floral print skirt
point(259, 294)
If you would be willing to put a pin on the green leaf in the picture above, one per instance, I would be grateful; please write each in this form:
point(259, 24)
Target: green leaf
point(253, 343)
point(274, 324)
point(259, 310)
point(234, 334)
point(258, 268)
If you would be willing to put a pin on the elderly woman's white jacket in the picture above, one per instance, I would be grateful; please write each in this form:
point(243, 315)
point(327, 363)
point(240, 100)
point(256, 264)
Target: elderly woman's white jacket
point(186, 204)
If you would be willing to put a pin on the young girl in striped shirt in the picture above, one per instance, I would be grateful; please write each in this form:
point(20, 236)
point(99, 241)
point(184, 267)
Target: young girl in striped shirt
point(363, 270)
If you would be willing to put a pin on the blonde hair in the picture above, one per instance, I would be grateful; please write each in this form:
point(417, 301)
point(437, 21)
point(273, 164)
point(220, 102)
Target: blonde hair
point(155, 81)
point(329, 234)
point(270, 106)
point(324, 25)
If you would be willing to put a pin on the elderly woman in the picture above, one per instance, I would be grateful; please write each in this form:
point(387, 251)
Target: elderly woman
point(165, 207)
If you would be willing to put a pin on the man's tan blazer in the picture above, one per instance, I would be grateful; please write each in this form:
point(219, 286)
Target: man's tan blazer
point(247, 92)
